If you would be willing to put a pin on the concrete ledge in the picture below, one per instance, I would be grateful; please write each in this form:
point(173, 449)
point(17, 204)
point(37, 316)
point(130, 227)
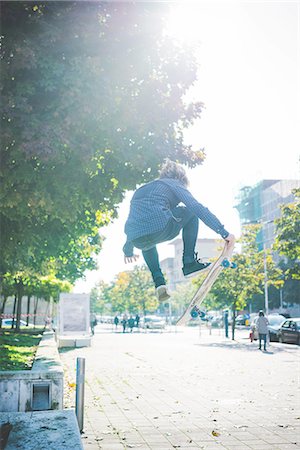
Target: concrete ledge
point(73, 341)
point(40, 388)
point(47, 356)
point(42, 430)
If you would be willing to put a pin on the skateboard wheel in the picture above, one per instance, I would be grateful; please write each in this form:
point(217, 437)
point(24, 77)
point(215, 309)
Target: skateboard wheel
point(225, 263)
point(233, 265)
point(194, 313)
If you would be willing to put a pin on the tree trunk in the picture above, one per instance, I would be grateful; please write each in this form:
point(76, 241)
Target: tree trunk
point(46, 314)
point(28, 309)
point(19, 303)
point(14, 313)
point(2, 309)
point(144, 307)
point(35, 311)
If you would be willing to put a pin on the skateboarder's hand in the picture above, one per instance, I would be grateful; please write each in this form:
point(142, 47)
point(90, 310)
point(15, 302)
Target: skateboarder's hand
point(131, 259)
point(230, 239)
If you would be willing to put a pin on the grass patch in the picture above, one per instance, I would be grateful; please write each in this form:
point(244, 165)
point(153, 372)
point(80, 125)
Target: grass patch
point(17, 350)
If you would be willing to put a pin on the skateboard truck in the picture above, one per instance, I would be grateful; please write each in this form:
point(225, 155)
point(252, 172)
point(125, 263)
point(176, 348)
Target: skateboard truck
point(196, 312)
point(226, 263)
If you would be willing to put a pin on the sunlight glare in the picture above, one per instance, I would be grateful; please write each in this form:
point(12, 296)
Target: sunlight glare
point(183, 23)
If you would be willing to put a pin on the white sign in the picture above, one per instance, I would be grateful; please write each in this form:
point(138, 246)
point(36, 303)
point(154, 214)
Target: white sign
point(74, 314)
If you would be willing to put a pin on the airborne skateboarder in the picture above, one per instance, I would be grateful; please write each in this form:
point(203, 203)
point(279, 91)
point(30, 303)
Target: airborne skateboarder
point(155, 217)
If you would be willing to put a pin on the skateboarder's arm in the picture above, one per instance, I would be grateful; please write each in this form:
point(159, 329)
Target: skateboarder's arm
point(129, 257)
point(202, 212)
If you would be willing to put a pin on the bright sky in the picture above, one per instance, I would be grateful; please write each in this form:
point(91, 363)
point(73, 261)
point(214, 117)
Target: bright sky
point(249, 71)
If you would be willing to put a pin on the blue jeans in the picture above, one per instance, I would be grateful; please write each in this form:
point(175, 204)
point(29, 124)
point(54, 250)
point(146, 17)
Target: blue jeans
point(262, 337)
point(183, 220)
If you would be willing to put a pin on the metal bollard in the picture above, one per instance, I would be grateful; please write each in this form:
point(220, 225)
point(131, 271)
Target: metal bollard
point(79, 405)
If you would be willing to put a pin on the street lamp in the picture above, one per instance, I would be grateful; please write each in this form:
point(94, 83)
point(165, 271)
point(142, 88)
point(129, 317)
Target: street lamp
point(265, 268)
point(266, 281)
point(265, 264)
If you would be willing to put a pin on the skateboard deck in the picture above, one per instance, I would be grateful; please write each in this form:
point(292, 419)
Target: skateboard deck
point(192, 311)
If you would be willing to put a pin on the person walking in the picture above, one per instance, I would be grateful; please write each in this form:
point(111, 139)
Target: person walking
point(262, 329)
point(155, 216)
point(124, 322)
point(93, 322)
point(137, 320)
point(131, 323)
point(116, 321)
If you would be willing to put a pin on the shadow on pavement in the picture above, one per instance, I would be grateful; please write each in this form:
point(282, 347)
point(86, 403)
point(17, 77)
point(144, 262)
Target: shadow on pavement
point(247, 347)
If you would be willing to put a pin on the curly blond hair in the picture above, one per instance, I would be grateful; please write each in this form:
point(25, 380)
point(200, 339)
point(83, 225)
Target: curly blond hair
point(171, 169)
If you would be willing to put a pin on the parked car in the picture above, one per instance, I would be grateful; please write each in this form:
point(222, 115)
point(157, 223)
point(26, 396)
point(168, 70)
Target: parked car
point(105, 319)
point(275, 322)
point(8, 322)
point(153, 323)
point(242, 319)
point(289, 331)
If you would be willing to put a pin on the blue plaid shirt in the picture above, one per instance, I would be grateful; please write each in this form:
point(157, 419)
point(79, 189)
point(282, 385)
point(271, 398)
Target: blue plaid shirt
point(151, 210)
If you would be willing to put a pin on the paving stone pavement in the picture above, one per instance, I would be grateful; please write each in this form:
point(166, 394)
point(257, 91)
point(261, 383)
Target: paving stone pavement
point(186, 391)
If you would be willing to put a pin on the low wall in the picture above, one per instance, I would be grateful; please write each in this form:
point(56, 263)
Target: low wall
point(41, 430)
point(38, 389)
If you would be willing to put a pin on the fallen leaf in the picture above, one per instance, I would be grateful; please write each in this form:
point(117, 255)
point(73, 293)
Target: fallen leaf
point(215, 433)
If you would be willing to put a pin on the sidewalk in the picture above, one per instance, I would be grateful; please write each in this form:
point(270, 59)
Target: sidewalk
point(181, 390)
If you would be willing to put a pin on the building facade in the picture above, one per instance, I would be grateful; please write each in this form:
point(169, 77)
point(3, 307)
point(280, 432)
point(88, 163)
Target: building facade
point(261, 204)
point(207, 250)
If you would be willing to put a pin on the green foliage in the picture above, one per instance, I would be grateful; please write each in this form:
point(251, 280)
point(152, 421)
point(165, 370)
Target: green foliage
point(235, 287)
point(182, 297)
point(92, 96)
point(132, 291)
point(99, 303)
point(288, 235)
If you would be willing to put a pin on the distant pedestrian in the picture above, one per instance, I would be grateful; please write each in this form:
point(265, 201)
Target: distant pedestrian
point(131, 323)
point(124, 322)
point(93, 322)
point(137, 320)
point(116, 321)
point(262, 329)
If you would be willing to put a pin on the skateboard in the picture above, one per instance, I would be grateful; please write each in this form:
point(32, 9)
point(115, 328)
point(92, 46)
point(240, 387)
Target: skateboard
point(193, 311)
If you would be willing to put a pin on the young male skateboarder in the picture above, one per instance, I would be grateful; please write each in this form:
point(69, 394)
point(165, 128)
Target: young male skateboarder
point(155, 217)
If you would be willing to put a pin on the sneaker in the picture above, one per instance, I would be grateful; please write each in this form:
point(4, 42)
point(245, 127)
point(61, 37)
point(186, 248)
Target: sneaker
point(193, 267)
point(162, 293)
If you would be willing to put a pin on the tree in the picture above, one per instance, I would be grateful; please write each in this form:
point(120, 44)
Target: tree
point(235, 287)
point(92, 96)
point(7, 291)
point(288, 235)
point(29, 284)
point(100, 301)
point(181, 297)
point(131, 291)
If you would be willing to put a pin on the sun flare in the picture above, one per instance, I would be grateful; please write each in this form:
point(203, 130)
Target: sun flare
point(183, 23)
